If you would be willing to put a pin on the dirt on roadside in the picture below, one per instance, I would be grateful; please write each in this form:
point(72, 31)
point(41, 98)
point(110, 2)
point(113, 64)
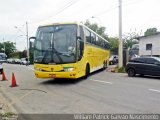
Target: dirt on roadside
point(3, 104)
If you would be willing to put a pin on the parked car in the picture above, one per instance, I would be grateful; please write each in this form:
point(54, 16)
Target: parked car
point(1, 68)
point(24, 61)
point(133, 56)
point(17, 61)
point(113, 59)
point(10, 60)
point(143, 66)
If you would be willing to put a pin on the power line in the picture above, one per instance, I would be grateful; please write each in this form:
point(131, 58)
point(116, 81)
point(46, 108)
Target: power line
point(69, 4)
point(115, 7)
point(106, 11)
point(67, 7)
point(129, 3)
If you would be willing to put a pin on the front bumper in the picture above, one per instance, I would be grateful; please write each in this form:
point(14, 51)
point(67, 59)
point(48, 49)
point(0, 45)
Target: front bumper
point(69, 74)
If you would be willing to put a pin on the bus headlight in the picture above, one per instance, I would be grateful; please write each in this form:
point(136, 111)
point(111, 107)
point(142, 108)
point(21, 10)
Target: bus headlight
point(69, 68)
point(38, 69)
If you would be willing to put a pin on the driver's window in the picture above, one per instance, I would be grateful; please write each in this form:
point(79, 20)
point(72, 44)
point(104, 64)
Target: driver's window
point(80, 44)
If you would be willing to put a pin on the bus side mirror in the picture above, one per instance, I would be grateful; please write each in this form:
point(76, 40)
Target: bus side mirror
point(79, 38)
point(32, 38)
point(31, 43)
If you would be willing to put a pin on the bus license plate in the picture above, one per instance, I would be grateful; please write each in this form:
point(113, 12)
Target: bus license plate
point(52, 75)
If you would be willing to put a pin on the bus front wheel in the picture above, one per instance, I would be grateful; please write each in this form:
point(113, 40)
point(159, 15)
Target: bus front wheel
point(87, 71)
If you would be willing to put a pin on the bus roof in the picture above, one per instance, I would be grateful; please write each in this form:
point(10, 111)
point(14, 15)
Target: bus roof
point(61, 23)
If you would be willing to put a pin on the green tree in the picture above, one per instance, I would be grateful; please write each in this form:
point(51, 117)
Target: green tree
point(24, 53)
point(114, 42)
point(129, 39)
point(9, 48)
point(97, 29)
point(150, 31)
point(17, 54)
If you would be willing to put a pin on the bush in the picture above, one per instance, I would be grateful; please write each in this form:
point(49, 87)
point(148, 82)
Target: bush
point(121, 70)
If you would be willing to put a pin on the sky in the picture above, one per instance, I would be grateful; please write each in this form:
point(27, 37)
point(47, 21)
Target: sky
point(137, 16)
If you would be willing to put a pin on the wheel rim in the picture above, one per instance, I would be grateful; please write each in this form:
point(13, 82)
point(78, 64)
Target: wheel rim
point(131, 72)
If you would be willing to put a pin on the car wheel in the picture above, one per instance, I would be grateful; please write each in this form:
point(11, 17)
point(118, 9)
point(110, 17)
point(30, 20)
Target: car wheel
point(131, 72)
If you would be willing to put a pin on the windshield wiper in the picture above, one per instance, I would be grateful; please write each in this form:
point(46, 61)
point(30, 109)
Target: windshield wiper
point(47, 54)
point(68, 54)
point(58, 54)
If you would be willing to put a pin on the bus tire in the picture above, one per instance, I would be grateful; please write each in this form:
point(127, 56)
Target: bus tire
point(87, 71)
point(104, 65)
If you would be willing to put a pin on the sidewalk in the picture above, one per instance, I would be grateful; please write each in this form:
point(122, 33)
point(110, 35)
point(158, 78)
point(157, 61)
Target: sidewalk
point(111, 68)
point(3, 104)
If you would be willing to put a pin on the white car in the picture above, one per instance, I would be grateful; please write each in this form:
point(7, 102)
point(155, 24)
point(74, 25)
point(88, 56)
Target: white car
point(24, 62)
point(113, 59)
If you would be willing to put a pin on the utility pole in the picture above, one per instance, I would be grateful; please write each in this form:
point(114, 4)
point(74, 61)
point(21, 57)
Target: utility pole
point(151, 50)
point(27, 42)
point(120, 48)
point(4, 46)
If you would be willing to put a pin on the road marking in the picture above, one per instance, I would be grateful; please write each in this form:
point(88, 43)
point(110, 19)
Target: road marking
point(154, 90)
point(101, 81)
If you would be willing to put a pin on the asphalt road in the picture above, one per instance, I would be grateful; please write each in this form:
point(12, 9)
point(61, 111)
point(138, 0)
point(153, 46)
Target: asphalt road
point(102, 92)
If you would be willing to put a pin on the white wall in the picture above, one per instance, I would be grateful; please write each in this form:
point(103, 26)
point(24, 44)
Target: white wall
point(154, 40)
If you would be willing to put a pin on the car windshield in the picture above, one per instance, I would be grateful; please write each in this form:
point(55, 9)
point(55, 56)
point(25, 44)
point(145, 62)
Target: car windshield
point(56, 44)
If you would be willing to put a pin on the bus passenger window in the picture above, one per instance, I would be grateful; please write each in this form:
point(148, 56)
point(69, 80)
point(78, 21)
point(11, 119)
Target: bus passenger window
point(80, 44)
point(100, 42)
point(97, 40)
point(106, 45)
point(93, 38)
point(88, 36)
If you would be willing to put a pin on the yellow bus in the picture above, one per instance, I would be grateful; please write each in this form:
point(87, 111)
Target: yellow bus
point(68, 50)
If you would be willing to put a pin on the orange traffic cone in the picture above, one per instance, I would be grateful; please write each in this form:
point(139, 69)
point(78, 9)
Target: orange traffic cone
point(3, 76)
point(14, 84)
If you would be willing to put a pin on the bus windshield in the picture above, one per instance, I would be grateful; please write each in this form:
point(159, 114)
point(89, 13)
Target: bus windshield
point(56, 44)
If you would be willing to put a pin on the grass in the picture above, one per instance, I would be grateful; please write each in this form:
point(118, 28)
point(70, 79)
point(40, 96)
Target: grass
point(7, 115)
point(119, 70)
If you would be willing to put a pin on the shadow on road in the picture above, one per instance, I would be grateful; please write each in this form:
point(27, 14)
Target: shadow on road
point(62, 81)
point(67, 81)
point(148, 77)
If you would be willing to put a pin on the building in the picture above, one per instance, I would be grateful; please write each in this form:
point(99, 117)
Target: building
point(149, 45)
